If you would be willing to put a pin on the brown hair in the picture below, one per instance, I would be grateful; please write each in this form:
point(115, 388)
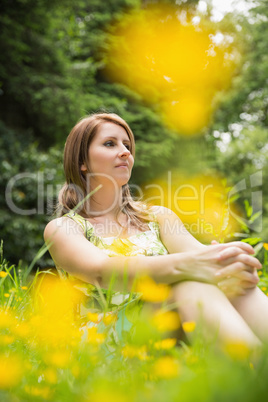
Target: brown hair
point(76, 153)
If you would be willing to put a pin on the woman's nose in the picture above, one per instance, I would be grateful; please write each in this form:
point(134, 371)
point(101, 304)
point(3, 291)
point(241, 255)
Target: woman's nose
point(124, 152)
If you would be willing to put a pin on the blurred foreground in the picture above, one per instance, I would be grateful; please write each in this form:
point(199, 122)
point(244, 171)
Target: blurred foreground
point(46, 355)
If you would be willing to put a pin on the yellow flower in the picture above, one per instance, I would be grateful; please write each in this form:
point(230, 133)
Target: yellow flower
point(94, 317)
point(75, 370)
point(237, 350)
point(7, 339)
point(265, 246)
point(166, 321)
point(109, 395)
point(24, 287)
point(60, 358)
point(6, 320)
point(110, 318)
point(151, 291)
point(93, 337)
point(50, 376)
point(189, 326)
point(166, 367)
point(132, 351)
point(6, 294)
point(43, 392)
point(11, 371)
point(165, 344)
point(3, 274)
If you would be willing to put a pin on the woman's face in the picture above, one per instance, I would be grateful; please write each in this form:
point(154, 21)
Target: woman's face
point(109, 154)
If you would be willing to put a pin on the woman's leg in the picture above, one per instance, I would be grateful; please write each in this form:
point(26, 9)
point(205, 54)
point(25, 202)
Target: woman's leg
point(206, 304)
point(253, 307)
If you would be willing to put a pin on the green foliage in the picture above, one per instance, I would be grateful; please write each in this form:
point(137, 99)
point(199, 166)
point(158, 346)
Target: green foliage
point(37, 177)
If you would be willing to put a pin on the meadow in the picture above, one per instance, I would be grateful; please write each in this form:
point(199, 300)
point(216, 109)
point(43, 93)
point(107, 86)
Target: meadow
point(46, 355)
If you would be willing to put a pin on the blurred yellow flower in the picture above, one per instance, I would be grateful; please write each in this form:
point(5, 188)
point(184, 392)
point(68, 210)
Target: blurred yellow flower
point(50, 375)
point(188, 326)
point(94, 317)
point(201, 201)
point(237, 350)
point(175, 64)
point(11, 371)
point(110, 318)
point(59, 358)
point(151, 291)
point(131, 351)
point(24, 287)
point(3, 274)
point(39, 391)
point(7, 339)
point(109, 395)
point(93, 337)
point(265, 245)
point(75, 370)
point(166, 321)
point(166, 367)
point(6, 320)
point(6, 294)
point(165, 344)
point(22, 329)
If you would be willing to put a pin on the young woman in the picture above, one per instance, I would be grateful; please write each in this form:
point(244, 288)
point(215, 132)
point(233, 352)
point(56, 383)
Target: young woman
point(99, 219)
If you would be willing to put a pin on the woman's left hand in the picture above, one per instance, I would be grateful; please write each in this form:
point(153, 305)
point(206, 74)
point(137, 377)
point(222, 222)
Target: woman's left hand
point(238, 285)
point(234, 279)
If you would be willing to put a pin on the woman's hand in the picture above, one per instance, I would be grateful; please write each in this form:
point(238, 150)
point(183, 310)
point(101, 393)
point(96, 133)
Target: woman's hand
point(220, 262)
point(239, 270)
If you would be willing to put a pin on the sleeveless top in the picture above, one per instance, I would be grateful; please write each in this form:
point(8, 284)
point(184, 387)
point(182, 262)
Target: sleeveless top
point(144, 243)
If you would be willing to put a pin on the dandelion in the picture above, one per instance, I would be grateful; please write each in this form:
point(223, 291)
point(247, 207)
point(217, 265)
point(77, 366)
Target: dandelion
point(93, 337)
point(166, 367)
point(166, 321)
point(151, 291)
point(189, 326)
point(7, 339)
point(50, 376)
point(165, 344)
point(75, 370)
point(94, 317)
point(6, 320)
point(110, 319)
point(11, 371)
point(237, 350)
point(3, 274)
point(43, 392)
point(131, 351)
point(60, 358)
point(265, 246)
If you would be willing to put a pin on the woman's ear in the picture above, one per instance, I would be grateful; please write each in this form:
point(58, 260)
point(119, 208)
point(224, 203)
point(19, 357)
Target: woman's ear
point(83, 168)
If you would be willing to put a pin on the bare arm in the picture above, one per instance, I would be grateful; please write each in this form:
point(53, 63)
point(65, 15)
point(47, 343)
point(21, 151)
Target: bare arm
point(237, 271)
point(72, 252)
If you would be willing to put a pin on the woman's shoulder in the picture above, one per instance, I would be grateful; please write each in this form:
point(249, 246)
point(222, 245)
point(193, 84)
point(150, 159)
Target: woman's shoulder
point(161, 212)
point(60, 226)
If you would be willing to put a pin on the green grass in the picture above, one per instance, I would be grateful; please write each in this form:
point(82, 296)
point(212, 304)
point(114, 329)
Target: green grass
point(44, 356)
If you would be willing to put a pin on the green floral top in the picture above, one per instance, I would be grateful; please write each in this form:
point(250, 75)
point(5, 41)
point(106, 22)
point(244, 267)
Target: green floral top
point(145, 243)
